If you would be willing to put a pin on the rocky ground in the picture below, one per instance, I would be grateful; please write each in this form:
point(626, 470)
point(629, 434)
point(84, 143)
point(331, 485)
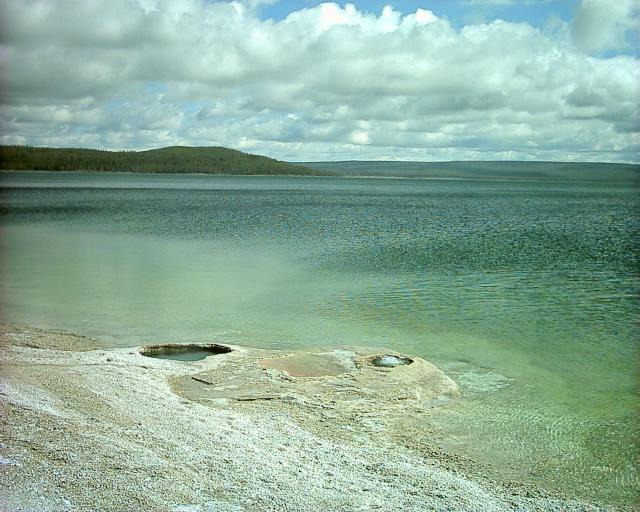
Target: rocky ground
point(87, 429)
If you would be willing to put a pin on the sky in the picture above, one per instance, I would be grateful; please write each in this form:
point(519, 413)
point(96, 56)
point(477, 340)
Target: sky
point(303, 80)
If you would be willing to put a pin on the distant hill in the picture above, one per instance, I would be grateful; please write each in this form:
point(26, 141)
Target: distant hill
point(218, 160)
point(554, 171)
point(176, 159)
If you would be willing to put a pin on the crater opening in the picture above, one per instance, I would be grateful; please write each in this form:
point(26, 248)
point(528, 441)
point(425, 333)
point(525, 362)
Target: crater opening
point(184, 352)
point(390, 361)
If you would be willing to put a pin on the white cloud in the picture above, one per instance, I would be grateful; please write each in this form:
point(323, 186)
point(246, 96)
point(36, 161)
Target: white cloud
point(326, 82)
point(424, 17)
point(602, 25)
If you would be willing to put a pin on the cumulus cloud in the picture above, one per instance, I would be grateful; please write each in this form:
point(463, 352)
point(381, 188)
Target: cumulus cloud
point(329, 82)
point(602, 25)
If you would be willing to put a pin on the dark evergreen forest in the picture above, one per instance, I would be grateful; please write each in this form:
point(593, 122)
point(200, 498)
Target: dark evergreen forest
point(177, 159)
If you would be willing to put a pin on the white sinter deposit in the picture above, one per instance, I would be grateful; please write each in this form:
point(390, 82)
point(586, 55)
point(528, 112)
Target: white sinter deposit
point(112, 430)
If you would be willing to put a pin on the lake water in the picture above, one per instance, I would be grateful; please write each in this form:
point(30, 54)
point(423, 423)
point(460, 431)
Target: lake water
point(525, 292)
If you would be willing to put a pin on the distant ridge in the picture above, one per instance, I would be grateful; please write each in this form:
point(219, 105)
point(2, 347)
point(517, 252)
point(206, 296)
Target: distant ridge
point(219, 160)
point(486, 170)
point(175, 159)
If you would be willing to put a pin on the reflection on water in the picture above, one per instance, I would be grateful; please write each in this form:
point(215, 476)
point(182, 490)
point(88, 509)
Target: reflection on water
point(526, 293)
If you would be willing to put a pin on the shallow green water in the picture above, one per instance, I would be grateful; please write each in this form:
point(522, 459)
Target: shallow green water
point(525, 292)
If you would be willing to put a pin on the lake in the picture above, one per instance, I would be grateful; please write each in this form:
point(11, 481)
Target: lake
point(525, 292)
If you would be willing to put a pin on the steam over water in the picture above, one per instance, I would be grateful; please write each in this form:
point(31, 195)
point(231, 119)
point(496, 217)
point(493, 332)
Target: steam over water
point(526, 293)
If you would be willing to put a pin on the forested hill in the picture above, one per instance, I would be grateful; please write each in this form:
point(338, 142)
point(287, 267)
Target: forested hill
point(176, 159)
point(218, 160)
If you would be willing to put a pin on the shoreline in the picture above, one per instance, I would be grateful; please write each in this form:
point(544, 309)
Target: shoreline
point(91, 429)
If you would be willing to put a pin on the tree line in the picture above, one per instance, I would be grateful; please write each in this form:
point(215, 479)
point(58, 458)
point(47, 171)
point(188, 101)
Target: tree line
point(175, 159)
